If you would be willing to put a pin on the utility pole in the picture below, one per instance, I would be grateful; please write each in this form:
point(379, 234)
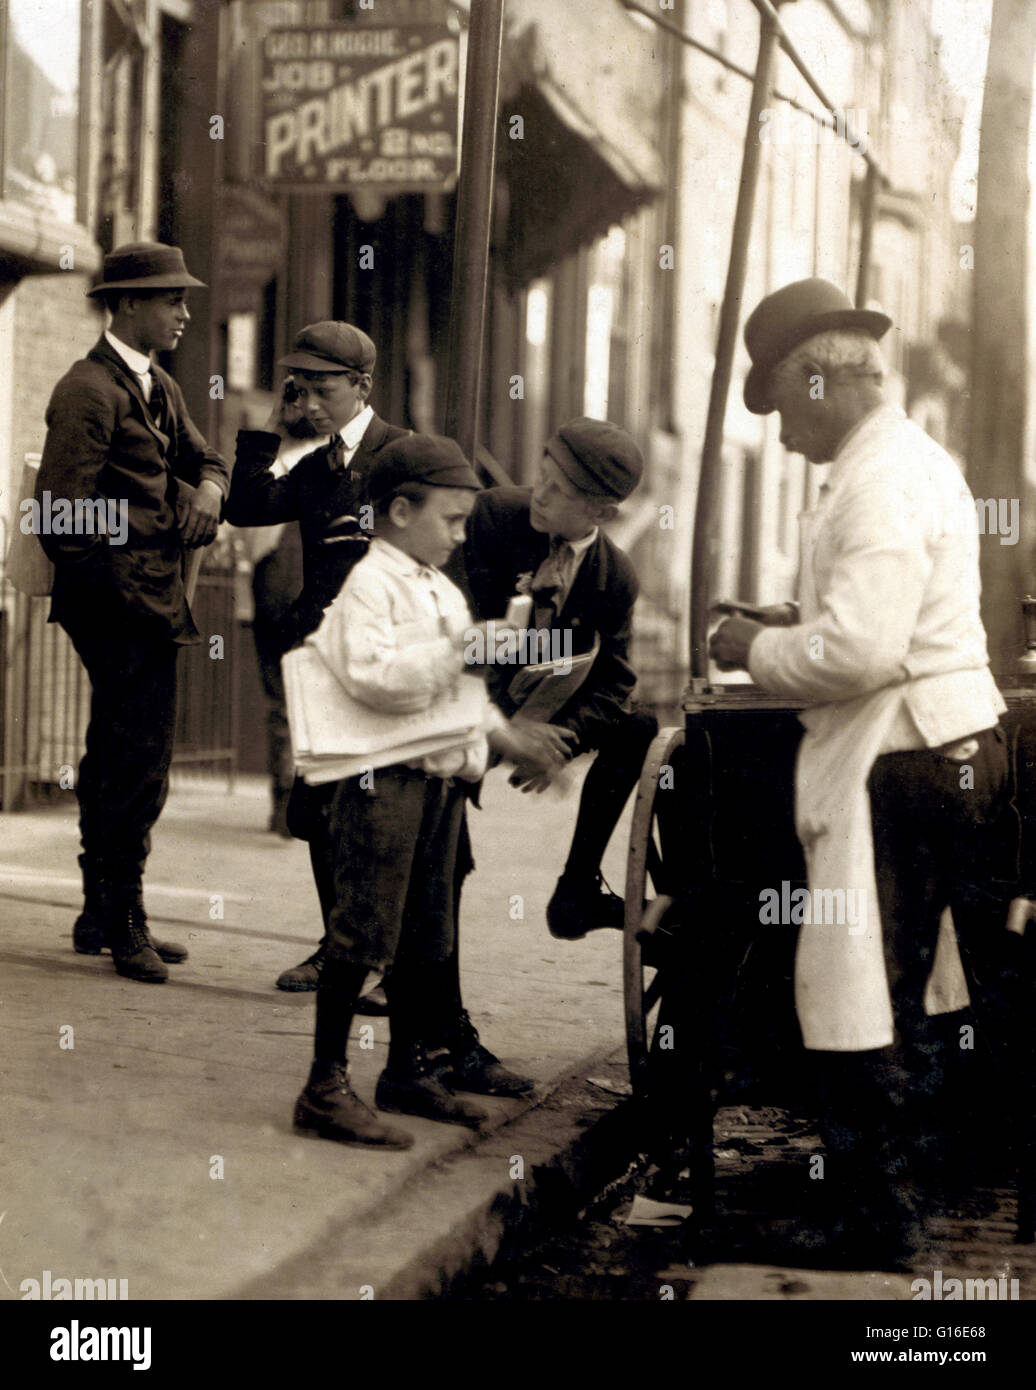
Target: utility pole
point(999, 359)
point(474, 222)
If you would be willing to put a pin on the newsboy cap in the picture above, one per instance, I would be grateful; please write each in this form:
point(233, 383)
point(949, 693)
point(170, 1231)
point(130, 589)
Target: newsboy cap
point(786, 318)
point(597, 457)
point(420, 458)
point(331, 346)
point(145, 265)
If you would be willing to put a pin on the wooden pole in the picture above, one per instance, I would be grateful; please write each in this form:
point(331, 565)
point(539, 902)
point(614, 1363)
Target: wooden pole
point(474, 222)
point(999, 366)
point(867, 213)
point(712, 450)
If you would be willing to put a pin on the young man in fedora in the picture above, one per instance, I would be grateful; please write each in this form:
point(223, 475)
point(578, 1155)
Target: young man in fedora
point(902, 776)
point(330, 379)
point(118, 432)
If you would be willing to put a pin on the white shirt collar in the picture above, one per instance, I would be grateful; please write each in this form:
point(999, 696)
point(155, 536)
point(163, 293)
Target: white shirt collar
point(877, 418)
point(391, 557)
point(354, 431)
point(581, 546)
point(138, 362)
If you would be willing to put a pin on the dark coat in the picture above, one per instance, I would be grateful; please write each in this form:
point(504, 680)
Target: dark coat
point(103, 443)
point(501, 546)
point(326, 504)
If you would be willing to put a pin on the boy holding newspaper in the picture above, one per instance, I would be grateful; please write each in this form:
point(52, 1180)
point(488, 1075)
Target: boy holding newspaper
point(386, 669)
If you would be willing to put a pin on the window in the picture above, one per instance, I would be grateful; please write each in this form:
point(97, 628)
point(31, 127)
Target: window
point(41, 105)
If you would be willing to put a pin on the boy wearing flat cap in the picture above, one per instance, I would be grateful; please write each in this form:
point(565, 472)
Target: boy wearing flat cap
point(119, 434)
point(396, 637)
point(547, 541)
point(331, 366)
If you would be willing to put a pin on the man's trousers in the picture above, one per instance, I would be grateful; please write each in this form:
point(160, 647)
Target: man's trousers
point(124, 776)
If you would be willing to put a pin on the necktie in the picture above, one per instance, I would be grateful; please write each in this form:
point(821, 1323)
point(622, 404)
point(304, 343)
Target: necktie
point(336, 454)
point(157, 402)
point(549, 580)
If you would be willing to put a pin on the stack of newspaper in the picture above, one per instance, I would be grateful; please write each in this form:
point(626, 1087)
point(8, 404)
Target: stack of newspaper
point(333, 735)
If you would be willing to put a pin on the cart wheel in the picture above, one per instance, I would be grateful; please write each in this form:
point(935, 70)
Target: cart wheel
point(643, 914)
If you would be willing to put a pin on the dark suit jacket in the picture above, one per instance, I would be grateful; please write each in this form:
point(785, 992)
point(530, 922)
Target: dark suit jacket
point(501, 545)
point(325, 503)
point(103, 443)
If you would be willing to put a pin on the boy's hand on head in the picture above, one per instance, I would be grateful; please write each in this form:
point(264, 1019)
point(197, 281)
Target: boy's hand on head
point(286, 415)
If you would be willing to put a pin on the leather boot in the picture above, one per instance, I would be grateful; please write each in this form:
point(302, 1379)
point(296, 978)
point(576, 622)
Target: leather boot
point(131, 947)
point(90, 933)
point(468, 1066)
point(306, 975)
point(411, 1085)
point(330, 1108)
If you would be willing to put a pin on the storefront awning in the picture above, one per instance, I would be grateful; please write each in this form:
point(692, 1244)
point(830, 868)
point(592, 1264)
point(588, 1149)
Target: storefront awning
point(587, 81)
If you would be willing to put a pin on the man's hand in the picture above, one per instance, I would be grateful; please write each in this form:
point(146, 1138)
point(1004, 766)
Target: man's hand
point(286, 415)
point(201, 519)
point(538, 751)
point(545, 755)
point(779, 615)
point(771, 615)
point(729, 644)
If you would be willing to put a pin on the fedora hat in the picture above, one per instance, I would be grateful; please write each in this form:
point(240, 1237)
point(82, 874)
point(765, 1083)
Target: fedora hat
point(786, 318)
point(145, 265)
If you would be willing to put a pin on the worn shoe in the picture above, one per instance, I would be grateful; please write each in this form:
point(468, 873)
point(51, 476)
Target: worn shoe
point(90, 938)
point(132, 951)
point(330, 1108)
point(468, 1066)
point(305, 976)
point(375, 1002)
point(582, 905)
point(412, 1086)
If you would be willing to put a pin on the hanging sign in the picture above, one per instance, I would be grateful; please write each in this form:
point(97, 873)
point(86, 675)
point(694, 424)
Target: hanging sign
point(347, 108)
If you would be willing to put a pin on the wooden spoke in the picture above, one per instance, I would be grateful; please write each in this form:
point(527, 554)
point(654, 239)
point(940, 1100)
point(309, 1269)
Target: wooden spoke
point(643, 915)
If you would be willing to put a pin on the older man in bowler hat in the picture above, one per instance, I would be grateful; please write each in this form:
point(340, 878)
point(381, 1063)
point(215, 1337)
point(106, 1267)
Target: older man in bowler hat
point(118, 430)
point(901, 781)
point(330, 377)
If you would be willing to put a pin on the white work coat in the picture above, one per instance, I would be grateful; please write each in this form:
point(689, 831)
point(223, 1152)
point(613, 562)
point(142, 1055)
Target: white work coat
point(892, 655)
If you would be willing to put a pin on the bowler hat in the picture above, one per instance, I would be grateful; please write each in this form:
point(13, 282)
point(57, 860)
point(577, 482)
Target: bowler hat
point(786, 318)
point(145, 265)
point(331, 347)
point(597, 457)
point(420, 458)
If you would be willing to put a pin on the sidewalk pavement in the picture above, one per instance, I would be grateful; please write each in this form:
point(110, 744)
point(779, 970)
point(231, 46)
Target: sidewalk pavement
point(147, 1129)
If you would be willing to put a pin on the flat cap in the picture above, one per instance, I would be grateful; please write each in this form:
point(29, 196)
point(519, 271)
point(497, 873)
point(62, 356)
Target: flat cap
point(331, 346)
point(420, 458)
point(597, 457)
point(145, 265)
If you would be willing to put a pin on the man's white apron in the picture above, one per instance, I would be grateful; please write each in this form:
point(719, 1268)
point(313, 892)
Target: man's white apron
point(841, 989)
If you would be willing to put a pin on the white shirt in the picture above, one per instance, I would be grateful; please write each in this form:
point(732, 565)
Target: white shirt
point(393, 637)
point(573, 559)
point(353, 432)
point(892, 597)
point(139, 363)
